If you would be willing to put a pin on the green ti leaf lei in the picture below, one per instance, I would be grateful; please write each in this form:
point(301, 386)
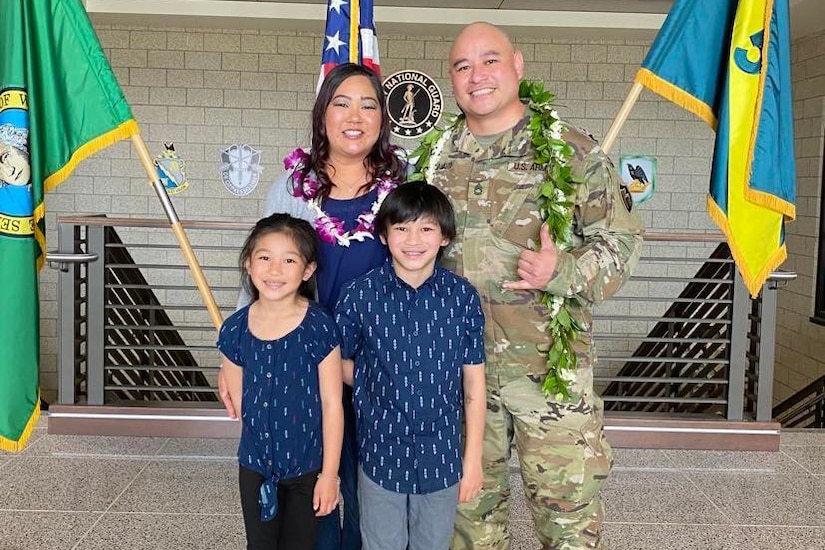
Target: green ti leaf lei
point(554, 154)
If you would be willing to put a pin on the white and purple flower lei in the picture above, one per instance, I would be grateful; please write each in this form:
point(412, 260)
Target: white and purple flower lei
point(329, 228)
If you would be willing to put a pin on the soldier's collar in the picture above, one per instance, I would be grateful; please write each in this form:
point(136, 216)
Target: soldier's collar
point(514, 142)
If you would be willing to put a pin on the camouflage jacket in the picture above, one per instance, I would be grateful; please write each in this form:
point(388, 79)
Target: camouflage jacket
point(494, 193)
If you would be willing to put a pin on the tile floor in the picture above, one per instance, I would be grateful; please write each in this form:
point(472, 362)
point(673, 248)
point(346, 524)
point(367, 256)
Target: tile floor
point(89, 493)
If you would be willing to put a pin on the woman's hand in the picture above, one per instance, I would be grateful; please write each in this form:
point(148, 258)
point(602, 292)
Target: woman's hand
point(325, 495)
point(226, 396)
point(230, 387)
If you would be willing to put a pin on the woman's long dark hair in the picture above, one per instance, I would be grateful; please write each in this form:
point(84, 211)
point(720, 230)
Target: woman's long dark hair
point(380, 160)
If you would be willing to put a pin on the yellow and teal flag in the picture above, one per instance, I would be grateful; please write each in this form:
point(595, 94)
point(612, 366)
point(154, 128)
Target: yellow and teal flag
point(728, 61)
point(59, 103)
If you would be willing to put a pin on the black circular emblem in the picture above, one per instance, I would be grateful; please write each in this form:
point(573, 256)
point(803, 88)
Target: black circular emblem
point(413, 102)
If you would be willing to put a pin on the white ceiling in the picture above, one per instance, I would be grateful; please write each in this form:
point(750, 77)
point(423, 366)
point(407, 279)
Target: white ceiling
point(639, 6)
point(601, 19)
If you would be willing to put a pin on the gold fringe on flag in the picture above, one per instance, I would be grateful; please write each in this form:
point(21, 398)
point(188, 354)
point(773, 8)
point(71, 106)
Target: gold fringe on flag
point(676, 95)
point(753, 281)
point(17, 446)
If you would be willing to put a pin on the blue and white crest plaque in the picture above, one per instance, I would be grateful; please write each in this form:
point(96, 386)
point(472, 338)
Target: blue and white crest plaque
point(240, 168)
point(171, 170)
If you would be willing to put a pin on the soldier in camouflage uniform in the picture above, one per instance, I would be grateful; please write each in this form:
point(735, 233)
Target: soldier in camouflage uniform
point(487, 169)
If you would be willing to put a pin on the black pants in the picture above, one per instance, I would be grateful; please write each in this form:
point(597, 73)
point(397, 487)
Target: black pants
point(294, 528)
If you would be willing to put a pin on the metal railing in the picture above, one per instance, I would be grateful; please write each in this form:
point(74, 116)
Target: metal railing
point(682, 337)
point(681, 364)
point(805, 408)
point(699, 344)
point(132, 324)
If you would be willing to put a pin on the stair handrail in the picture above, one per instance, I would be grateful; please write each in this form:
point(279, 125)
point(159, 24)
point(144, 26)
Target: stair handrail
point(811, 395)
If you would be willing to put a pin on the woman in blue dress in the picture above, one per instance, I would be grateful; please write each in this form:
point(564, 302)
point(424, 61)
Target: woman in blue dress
point(338, 186)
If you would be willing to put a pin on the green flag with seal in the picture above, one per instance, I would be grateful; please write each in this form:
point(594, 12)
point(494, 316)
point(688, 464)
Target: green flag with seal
point(59, 103)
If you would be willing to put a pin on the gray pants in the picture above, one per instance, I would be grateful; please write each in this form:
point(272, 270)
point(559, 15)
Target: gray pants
point(392, 521)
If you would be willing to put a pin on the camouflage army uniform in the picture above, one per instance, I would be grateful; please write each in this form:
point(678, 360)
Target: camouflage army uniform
point(564, 458)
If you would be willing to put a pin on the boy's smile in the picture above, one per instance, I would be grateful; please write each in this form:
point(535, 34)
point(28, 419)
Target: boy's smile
point(414, 247)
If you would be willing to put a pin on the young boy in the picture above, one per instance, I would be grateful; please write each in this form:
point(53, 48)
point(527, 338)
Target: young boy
point(414, 331)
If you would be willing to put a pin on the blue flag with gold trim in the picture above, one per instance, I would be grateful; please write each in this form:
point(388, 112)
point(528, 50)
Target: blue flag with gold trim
point(728, 62)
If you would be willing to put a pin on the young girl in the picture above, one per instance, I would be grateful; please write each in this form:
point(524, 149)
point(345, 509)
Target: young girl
point(282, 364)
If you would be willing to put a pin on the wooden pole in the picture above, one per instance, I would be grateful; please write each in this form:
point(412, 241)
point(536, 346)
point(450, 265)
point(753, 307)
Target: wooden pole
point(621, 117)
point(177, 229)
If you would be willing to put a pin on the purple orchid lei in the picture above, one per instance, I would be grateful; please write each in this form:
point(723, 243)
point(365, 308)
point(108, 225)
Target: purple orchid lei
point(331, 229)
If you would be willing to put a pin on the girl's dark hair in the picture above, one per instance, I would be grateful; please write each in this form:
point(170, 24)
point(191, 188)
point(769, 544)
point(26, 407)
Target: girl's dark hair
point(380, 160)
point(412, 201)
point(301, 233)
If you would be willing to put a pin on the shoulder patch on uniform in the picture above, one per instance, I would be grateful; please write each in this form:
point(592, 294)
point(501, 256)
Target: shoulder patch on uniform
point(627, 197)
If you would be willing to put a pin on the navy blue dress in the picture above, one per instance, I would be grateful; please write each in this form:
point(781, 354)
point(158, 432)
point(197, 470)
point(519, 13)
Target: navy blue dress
point(338, 265)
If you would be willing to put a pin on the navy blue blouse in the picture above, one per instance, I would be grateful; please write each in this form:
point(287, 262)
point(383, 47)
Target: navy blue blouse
point(281, 403)
point(337, 265)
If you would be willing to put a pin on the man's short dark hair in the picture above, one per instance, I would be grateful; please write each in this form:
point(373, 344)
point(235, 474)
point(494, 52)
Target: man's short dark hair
point(412, 201)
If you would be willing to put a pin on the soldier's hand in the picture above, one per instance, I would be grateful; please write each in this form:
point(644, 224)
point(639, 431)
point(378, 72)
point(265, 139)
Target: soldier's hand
point(223, 391)
point(536, 268)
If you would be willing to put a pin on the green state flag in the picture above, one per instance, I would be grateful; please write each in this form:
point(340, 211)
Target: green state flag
point(59, 103)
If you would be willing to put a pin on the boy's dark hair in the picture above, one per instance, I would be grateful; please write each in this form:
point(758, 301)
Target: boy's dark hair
point(411, 201)
point(301, 233)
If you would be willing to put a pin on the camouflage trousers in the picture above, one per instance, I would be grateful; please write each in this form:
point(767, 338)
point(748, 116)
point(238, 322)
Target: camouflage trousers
point(564, 460)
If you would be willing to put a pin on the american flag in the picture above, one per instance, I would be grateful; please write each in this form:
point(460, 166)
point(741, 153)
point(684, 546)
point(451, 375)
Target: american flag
point(345, 19)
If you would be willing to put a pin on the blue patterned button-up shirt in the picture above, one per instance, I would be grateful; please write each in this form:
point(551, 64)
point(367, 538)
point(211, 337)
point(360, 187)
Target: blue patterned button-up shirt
point(409, 347)
point(281, 403)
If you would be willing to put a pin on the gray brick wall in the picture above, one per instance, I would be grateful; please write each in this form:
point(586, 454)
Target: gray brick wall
point(204, 89)
point(800, 343)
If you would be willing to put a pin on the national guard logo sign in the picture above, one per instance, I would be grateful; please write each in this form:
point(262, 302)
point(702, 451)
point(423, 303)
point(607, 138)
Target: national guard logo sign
point(414, 103)
point(16, 199)
point(240, 168)
point(171, 170)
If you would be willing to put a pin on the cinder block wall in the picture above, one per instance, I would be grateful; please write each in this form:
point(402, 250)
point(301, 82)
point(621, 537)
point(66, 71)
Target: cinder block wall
point(801, 343)
point(206, 89)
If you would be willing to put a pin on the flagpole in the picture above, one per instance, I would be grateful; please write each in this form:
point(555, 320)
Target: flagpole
point(621, 117)
point(177, 229)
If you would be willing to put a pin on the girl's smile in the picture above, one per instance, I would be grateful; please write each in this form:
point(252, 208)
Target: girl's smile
point(277, 268)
